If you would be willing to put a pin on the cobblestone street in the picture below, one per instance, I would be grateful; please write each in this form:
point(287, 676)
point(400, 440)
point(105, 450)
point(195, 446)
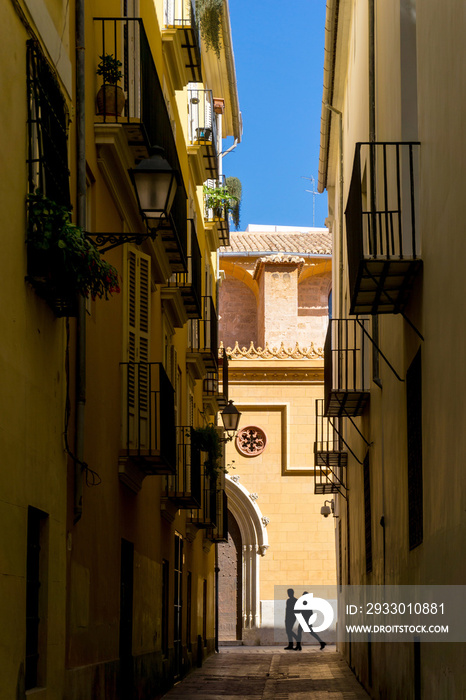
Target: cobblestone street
point(270, 673)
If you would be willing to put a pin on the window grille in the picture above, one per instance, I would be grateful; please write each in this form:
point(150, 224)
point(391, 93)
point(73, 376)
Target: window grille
point(47, 130)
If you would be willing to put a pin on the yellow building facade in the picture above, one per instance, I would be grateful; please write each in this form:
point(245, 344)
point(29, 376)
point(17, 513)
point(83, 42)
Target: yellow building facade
point(391, 149)
point(109, 517)
point(273, 307)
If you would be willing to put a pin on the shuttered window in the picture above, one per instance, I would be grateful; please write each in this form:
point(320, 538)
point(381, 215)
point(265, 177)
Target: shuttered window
point(367, 514)
point(414, 417)
point(137, 346)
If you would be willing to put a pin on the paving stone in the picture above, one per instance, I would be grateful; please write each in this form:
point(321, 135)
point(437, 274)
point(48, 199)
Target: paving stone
point(270, 673)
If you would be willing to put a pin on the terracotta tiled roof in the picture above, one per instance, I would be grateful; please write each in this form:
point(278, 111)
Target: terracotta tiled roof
point(285, 239)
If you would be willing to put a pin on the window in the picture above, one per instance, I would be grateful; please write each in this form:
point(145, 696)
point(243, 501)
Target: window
point(189, 585)
point(36, 599)
point(414, 416)
point(47, 130)
point(367, 514)
point(165, 599)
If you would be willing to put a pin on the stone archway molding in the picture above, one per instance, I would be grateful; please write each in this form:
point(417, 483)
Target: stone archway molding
point(255, 544)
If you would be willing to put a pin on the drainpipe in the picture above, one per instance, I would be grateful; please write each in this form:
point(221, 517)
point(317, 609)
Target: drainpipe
point(217, 571)
point(340, 225)
point(81, 221)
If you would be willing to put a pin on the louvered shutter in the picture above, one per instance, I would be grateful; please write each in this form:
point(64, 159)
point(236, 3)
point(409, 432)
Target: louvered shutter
point(138, 333)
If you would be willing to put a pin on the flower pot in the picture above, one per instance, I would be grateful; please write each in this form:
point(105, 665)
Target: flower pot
point(203, 134)
point(110, 100)
point(46, 276)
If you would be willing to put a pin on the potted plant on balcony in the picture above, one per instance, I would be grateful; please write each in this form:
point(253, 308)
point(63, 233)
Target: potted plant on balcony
point(110, 98)
point(62, 262)
point(207, 440)
point(221, 201)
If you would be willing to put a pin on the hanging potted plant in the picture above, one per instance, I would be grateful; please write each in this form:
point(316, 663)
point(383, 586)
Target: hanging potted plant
point(110, 98)
point(62, 262)
point(207, 440)
point(209, 18)
point(234, 188)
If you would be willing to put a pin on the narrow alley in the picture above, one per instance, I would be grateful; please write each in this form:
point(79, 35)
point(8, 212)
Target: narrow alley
point(269, 673)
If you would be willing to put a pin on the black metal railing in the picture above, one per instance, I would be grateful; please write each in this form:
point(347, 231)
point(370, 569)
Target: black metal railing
point(181, 14)
point(203, 334)
point(126, 40)
point(330, 459)
point(220, 532)
point(346, 367)
point(219, 214)
point(190, 281)
point(184, 487)
point(382, 225)
point(149, 433)
point(174, 233)
point(215, 383)
point(202, 127)
point(206, 515)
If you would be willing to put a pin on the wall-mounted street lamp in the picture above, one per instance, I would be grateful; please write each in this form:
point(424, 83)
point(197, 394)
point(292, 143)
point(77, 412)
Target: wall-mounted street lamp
point(155, 183)
point(230, 419)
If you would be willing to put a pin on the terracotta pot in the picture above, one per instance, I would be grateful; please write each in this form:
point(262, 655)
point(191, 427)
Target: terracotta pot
point(110, 100)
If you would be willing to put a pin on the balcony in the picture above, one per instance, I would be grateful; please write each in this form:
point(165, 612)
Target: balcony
point(188, 283)
point(203, 340)
point(206, 515)
point(202, 134)
point(220, 532)
point(218, 217)
point(149, 434)
point(330, 460)
point(346, 368)
point(215, 384)
point(184, 487)
point(382, 227)
point(125, 133)
point(182, 42)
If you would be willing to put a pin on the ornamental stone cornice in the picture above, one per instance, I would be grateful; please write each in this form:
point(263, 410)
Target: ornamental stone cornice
point(274, 353)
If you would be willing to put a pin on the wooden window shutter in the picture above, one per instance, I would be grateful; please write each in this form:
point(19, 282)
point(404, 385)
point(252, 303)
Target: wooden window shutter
point(138, 289)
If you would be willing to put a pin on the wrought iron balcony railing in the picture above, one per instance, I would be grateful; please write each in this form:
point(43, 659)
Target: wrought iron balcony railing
point(189, 282)
point(181, 14)
point(144, 114)
point(203, 334)
point(206, 515)
point(346, 367)
point(382, 226)
point(330, 459)
point(218, 215)
point(184, 487)
point(149, 433)
point(220, 532)
point(216, 383)
point(202, 127)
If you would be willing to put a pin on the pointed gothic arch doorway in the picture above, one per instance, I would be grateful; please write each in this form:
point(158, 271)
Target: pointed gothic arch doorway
point(239, 560)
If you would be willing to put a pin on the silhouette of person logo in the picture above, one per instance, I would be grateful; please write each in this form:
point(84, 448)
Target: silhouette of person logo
point(292, 617)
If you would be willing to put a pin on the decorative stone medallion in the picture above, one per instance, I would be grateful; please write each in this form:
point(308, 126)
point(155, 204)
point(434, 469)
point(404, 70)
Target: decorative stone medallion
point(251, 441)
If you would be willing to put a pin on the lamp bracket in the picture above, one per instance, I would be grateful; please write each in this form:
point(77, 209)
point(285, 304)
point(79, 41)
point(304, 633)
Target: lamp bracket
point(108, 241)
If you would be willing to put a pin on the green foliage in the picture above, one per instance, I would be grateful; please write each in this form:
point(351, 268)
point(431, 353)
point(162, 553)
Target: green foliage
point(235, 190)
point(209, 18)
point(207, 440)
point(109, 69)
point(219, 197)
point(72, 258)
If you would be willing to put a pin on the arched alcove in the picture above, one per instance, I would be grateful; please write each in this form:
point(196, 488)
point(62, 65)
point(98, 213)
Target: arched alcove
point(254, 543)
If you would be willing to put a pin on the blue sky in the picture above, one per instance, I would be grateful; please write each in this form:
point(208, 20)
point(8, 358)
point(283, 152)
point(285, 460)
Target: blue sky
point(279, 54)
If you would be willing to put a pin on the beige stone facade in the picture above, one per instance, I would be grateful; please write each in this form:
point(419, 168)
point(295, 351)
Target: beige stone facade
point(275, 377)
